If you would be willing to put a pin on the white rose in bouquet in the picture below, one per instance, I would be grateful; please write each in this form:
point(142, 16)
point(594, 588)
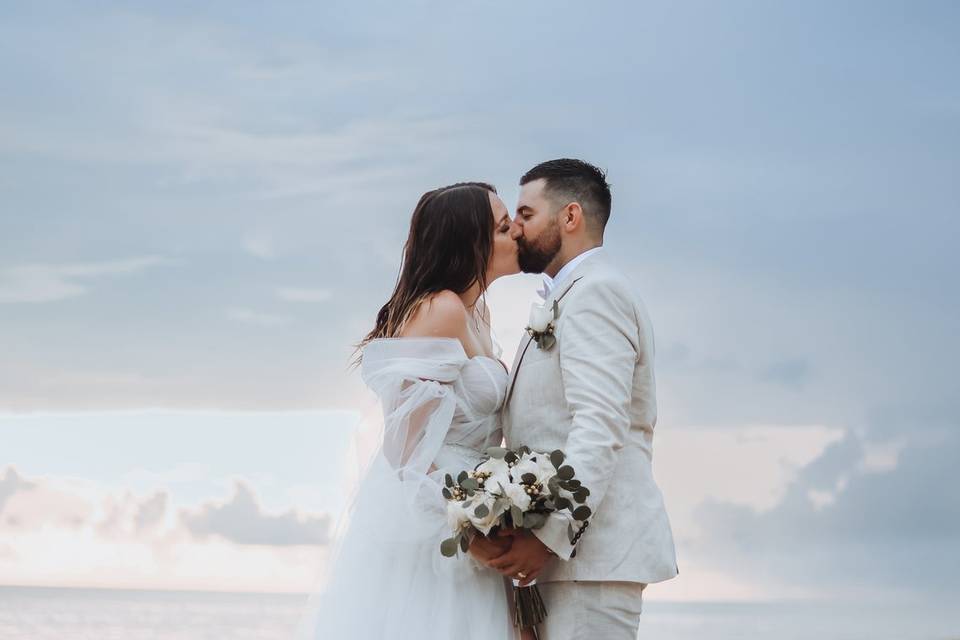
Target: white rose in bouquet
point(457, 517)
point(517, 495)
point(481, 512)
point(499, 473)
point(538, 465)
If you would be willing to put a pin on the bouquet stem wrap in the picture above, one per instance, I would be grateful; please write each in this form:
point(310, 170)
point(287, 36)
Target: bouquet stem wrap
point(528, 607)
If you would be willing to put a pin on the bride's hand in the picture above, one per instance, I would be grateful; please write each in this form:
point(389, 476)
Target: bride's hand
point(485, 549)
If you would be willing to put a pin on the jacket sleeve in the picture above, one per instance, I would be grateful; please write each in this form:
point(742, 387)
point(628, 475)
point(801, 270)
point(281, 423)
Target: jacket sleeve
point(597, 334)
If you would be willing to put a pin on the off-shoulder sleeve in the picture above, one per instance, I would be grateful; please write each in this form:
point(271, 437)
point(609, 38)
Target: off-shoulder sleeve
point(413, 378)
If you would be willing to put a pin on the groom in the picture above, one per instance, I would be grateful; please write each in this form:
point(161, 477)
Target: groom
point(591, 394)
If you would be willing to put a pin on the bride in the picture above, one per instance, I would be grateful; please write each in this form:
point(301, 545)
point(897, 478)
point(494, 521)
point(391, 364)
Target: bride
point(432, 362)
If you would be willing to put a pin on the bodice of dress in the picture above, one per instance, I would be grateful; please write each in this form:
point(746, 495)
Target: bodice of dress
point(480, 391)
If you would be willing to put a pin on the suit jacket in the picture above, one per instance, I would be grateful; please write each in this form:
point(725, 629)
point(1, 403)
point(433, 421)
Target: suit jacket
point(593, 395)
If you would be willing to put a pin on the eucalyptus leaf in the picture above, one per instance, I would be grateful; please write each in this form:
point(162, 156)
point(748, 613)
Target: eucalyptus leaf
point(572, 484)
point(547, 341)
point(482, 511)
point(516, 515)
point(528, 478)
point(447, 494)
point(581, 513)
point(448, 480)
point(464, 543)
point(470, 484)
point(533, 520)
point(557, 458)
point(565, 472)
point(496, 452)
point(449, 547)
point(580, 497)
point(463, 476)
point(561, 503)
point(510, 457)
point(553, 485)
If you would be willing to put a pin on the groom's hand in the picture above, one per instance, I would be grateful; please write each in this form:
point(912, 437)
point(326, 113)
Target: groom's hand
point(527, 555)
point(485, 549)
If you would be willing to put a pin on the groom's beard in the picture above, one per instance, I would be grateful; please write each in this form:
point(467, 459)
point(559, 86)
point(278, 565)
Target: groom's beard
point(535, 256)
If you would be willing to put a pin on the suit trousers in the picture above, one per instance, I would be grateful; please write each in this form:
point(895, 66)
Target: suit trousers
point(582, 610)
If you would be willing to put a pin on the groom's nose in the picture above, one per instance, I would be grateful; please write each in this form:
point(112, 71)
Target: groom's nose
point(516, 230)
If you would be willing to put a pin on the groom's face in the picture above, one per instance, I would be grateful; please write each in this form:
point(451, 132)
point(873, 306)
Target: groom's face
point(536, 228)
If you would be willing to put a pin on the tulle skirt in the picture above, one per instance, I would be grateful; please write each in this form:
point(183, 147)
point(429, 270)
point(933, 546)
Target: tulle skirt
point(387, 578)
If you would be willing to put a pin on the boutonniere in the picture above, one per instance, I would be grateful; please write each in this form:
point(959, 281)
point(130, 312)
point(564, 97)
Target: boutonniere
point(542, 323)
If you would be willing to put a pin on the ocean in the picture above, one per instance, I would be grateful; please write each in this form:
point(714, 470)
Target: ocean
point(33, 613)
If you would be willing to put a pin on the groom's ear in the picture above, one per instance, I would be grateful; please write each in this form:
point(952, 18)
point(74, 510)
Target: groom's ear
point(571, 218)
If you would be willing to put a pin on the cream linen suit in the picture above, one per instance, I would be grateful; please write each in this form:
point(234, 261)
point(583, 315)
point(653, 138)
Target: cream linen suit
point(593, 396)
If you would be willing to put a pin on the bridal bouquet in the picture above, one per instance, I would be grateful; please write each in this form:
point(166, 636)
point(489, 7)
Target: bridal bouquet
point(513, 488)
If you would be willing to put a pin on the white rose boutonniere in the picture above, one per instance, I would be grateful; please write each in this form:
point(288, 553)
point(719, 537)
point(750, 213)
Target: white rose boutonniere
point(542, 324)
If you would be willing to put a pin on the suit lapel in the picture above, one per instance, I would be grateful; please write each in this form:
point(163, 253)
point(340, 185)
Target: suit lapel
point(526, 342)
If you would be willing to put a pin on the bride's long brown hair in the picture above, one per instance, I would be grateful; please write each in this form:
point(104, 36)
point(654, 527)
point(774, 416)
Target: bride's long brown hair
point(448, 247)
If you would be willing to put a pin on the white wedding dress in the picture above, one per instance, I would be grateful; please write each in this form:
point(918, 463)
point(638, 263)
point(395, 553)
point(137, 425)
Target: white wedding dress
point(387, 578)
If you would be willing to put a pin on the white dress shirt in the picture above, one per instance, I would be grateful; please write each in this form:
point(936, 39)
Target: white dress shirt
point(549, 284)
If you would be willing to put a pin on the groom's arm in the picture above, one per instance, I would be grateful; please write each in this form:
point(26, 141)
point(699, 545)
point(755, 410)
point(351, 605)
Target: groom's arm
point(599, 346)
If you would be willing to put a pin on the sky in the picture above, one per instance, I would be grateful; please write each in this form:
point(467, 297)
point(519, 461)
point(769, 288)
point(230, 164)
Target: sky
point(202, 208)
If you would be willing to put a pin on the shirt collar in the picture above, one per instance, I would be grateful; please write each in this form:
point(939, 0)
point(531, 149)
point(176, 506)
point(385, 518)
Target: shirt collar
point(549, 284)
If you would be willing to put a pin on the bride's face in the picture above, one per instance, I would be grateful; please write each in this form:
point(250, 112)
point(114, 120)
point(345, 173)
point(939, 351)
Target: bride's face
point(503, 260)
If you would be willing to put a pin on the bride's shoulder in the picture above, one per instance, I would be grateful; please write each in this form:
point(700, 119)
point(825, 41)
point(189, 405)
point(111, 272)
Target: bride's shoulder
point(440, 314)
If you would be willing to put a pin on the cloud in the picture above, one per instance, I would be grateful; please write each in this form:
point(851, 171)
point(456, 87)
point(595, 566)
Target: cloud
point(242, 520)
point(301, 294)
point(51, 282)
point(257, 318)
point(11, 483)
point(74, 532)
point(852, 521)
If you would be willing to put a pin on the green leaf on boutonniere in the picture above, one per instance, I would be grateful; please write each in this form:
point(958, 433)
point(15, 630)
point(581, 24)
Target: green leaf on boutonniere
point(481, 511)
point(546, 341)
point(528, 478)
point(470, 484)
point(510, 457)
point(462, 476)
point(580, 496)
point(448, 480)
point(561, 503)
point(464, 543)
point(565, 472)
point(447, 494)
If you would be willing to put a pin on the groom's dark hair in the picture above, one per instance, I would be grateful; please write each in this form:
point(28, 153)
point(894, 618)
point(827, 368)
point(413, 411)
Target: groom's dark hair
point(575, 181)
